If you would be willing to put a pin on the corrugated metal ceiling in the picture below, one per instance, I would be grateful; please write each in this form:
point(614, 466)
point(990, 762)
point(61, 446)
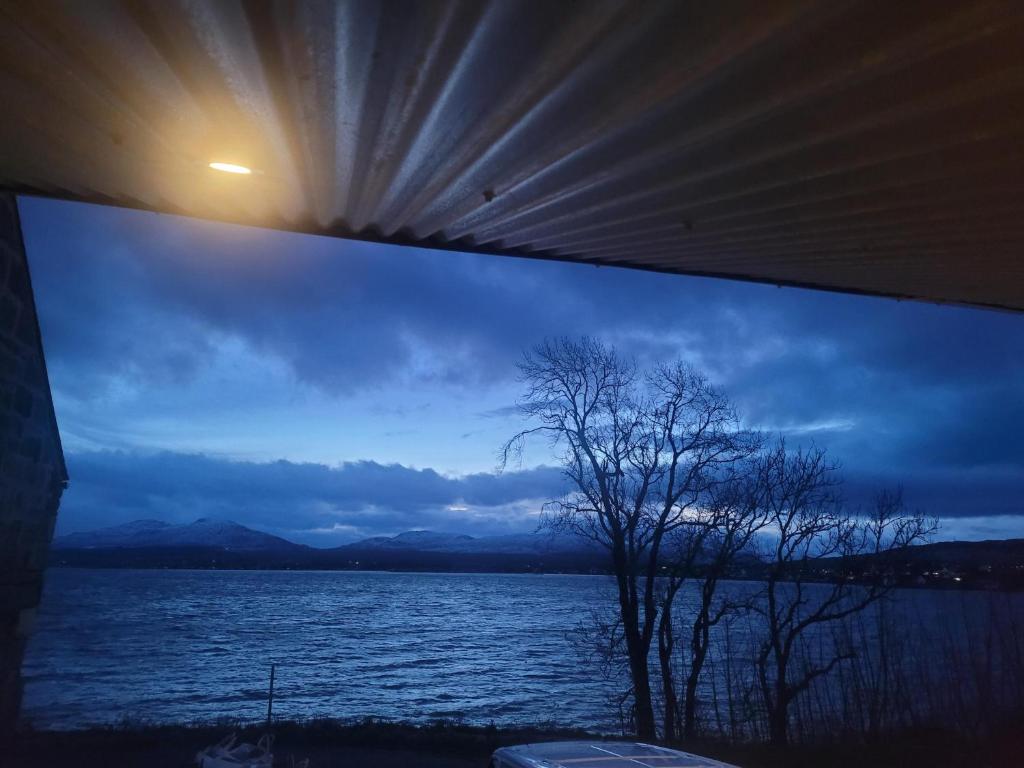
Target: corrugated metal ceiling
point(872, 147)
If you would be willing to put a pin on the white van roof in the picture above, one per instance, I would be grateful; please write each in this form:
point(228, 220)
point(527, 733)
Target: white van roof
point(599, 754)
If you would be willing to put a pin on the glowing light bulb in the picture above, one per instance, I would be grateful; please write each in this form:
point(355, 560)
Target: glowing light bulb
point(230, 168)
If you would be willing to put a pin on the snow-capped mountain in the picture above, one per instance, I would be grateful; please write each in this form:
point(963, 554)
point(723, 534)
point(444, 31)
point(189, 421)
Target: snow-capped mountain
point(421, 540)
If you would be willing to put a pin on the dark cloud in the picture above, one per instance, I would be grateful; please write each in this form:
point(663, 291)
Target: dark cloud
point(310, 502)
point(323, 505)
point(141, 292)
point(974, 429)
point(141, 295)
point(975, 493)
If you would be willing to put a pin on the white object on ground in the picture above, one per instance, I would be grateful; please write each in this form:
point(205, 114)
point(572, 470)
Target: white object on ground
point(225, 754)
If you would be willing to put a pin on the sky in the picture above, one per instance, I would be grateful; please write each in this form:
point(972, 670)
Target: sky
point(328, 390)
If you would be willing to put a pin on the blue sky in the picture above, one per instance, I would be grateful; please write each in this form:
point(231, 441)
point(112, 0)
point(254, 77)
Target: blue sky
point(327, 390)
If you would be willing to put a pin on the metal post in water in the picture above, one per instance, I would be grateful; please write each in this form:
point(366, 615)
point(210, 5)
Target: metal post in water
point(270, 698)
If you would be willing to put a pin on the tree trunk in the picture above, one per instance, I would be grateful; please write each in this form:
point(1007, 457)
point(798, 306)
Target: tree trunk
point(690, 708)
point(699, 642)
point(666, 643)
point(645, 728)
point(692, 678)
point(637, 650)
point(690, 705)
point(778, 714)
point(778, 725)
point(699, 652)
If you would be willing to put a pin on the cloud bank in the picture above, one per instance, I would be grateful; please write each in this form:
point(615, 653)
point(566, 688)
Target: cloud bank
point(306, 502)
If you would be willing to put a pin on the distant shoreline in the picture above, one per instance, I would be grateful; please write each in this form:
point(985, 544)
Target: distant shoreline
point(213, 544)
point(208, 544)
point(938, 584)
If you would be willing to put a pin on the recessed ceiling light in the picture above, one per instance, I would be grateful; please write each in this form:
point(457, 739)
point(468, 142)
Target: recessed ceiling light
point(230, 168)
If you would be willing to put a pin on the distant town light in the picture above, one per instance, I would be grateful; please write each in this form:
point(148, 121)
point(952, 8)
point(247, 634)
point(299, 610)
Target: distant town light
point(230, 168)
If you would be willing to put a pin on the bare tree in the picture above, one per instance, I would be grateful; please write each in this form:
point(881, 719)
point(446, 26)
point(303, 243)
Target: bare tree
point(640, 451)
point(682, 549)
point(702, 551)
point(800, 493)
point(736, 515)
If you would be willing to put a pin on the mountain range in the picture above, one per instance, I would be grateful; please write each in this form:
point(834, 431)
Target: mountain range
point(228, 535)
point(204, 532)
point(225, 544)
point(211, 543)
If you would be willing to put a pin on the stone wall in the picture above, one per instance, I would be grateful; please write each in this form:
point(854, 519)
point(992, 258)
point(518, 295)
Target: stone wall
point(32, 473)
